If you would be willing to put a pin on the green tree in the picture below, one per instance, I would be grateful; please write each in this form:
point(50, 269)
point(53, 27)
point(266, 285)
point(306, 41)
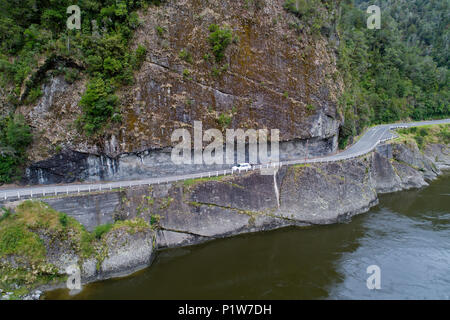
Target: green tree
point(219, 40)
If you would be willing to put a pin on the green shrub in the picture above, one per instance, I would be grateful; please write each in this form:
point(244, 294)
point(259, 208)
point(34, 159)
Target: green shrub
point(310, 107)
point(224, 120)
point(15, 137)
point(112, 66)
point(423, 132)
point(186, 74)
point(94, 63)
point(154, 220)
point(63, 219)
point(33, 95)
point(139, 57)
point(185, 55)
point(160, 31)
point(9, 168)
point(99, 105)
point(101, 230)
point(219, 39)
point(17, 133)
point(71, 75)
point(420, 140)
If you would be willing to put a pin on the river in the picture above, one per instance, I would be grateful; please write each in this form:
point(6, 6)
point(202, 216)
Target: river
point(407, 235)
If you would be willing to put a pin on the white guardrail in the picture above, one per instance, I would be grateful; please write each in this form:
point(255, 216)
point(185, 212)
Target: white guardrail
point(119, 185)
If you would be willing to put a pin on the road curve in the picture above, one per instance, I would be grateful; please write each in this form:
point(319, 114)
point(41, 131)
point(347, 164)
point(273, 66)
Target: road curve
point(367, 143)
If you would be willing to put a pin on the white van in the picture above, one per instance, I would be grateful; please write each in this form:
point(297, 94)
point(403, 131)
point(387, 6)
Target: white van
point(242, 167)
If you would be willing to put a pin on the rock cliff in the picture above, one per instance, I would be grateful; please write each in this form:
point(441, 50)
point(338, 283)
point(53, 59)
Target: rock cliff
point(272, 76)
point(196, 211)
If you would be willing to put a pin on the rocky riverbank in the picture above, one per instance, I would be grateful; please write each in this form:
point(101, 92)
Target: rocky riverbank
point(116, 233)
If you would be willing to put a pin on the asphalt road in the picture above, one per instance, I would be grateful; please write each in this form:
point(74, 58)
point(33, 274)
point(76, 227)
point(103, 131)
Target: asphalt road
point(364, 145)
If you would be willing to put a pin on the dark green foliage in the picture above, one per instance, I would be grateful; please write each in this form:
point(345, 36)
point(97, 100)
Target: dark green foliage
point(16, 133)
point(112, 66)
point(219, 39)
point(34, 29)
point(15, 137)
point(4, 214)
point(154, 220)
point(224, 120)
point(30, 29)
point(71, 75)
point(99, 105)
point(139, 56)
point(33, 95)
point(63, 219)
point(393, 73)
point(99, 231)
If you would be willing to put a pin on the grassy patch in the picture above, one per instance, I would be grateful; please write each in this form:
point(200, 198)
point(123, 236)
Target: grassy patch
point(426, 135)
point(192, 182)
point(132, 226)
point(101, 230)
point(20, 238)
point(22, 235)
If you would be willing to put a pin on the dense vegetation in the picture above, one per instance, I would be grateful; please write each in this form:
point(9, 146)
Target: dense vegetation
point(27, 233)
point(15, 136)
point(398, 72)
point(219, 40)
point(35, 30)
point(426, 134)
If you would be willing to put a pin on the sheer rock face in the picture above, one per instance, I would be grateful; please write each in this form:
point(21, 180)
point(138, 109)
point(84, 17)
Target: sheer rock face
point(200, 210)
point(195, 211)
point(399, 167)
point(272, 77)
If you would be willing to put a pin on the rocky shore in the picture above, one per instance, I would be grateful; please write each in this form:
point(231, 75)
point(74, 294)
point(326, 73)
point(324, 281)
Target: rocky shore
point(147, 219)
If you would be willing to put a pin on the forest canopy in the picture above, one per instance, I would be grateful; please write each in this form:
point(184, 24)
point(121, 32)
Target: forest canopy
point(398, 72)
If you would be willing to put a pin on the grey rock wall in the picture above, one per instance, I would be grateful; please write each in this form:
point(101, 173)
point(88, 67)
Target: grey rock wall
point(187, 213)
point(307, 194)
point(70, 166)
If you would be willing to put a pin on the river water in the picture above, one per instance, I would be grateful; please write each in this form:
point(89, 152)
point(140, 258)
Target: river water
point(407, 235)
